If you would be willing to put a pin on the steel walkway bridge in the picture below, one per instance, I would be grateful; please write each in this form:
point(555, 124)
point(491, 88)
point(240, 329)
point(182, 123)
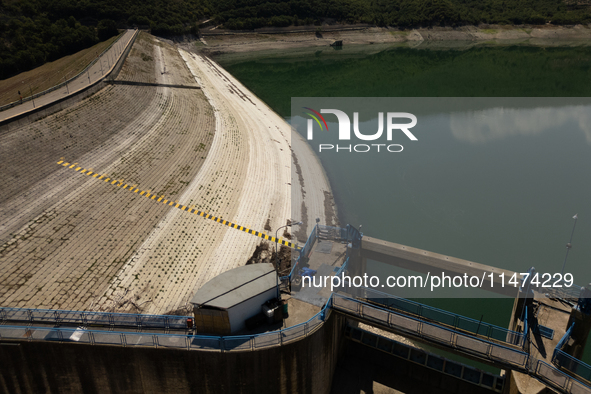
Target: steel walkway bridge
point(496, 346)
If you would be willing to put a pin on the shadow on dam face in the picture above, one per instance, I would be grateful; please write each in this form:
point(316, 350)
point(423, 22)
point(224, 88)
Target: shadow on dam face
point(362, 369)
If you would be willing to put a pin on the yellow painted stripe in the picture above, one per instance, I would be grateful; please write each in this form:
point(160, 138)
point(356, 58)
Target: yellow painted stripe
point(179, 206)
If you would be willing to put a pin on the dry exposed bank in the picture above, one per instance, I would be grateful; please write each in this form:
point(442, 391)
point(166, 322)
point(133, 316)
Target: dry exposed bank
point(546, 35)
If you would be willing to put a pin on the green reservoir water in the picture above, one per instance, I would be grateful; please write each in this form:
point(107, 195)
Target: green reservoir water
point(502, 194)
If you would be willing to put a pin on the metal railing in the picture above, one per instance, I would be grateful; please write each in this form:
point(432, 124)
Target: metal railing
point(452, 320)
point(569, 363)
point(149, 339)
point(413, 326)
point(474, 346)
point(461, 342)
point(331, 233)
point(348, 234)
point(113, 320)
point(574, 365)
point(343, 267)
point(63, 84)
point(458, 341)
point(429, 360)
point(51, 316)
point(525, 330)
point(304, 252)
point(563, 340)
point(559, 379)
point(564, 292)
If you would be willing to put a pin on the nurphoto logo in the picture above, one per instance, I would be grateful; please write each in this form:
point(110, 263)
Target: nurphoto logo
point(345, 130)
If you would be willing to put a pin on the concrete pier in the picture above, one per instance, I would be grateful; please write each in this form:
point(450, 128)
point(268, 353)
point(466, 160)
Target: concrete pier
point(424, 261)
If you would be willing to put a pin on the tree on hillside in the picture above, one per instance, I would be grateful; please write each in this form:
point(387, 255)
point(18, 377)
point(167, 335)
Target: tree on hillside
point(106, 29)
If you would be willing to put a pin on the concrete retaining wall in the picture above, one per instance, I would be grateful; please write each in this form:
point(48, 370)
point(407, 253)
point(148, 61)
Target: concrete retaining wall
point(305, 366)
point(49, 109)
point(117, 68)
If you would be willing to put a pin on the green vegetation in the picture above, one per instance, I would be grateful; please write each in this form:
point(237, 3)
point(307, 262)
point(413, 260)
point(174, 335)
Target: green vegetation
point(146, 58)
point(511, 71)
point(250, 14)
point(49, 74)
point(33, 32)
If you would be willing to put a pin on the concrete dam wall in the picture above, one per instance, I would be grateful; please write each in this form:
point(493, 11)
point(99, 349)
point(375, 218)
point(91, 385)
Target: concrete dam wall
point(304, 366)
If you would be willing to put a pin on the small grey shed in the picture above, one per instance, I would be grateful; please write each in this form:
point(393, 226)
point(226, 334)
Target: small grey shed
point(222, 305)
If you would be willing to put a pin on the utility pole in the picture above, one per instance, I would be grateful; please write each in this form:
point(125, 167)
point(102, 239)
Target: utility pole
point(569, 244)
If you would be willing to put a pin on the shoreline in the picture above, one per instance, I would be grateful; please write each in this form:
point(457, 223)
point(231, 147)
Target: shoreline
point(225, 42)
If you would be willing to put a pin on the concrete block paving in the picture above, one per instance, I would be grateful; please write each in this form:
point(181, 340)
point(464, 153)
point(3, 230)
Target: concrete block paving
point(62, 250)
point(71, 241)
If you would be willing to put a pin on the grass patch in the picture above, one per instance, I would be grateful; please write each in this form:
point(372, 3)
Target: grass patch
point(49, 74)
point(146, 58)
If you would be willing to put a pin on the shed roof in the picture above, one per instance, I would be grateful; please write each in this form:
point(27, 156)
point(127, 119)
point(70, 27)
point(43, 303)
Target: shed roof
point(236, 285)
